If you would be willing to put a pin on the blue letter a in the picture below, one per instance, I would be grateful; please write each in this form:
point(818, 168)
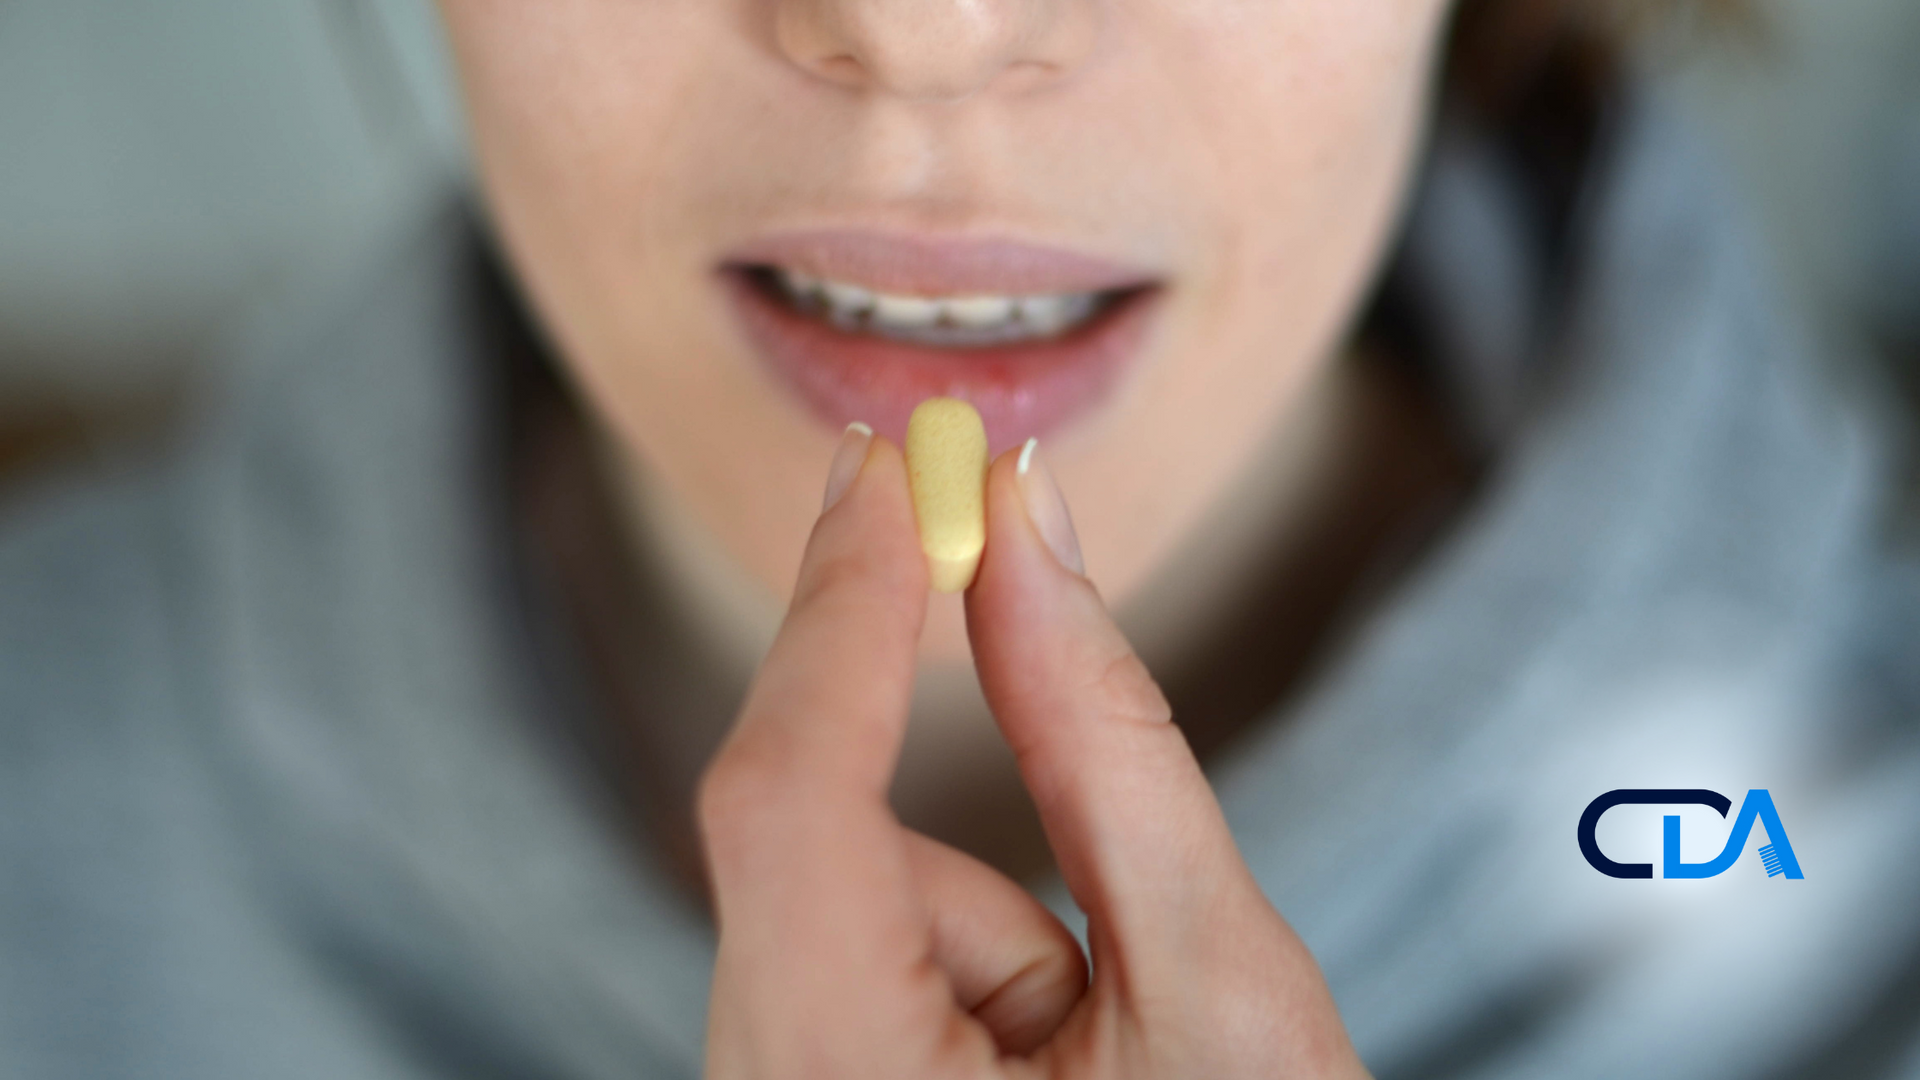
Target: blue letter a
point(1777, 855)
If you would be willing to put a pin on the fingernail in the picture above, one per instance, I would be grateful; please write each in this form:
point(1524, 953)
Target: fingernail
point(1047, 508)
point(846, 462)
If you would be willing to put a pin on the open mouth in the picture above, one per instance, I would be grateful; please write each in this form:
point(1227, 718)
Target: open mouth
point(941, 322)
point(1030, 358)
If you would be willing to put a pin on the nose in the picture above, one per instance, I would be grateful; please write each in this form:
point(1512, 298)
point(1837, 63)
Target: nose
point(936, 49)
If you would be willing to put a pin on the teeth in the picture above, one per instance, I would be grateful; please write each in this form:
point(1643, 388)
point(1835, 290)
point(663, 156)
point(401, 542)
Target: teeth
point(799, 283)
point(846, 302)
point(954, 320)
point(1044, 313)
point(979, 311)
point(906, 312)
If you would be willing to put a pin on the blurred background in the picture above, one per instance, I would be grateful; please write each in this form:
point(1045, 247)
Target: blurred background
point(164, 166)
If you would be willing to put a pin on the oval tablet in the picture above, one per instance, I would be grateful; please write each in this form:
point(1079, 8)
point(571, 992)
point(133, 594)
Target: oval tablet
point(947, 473)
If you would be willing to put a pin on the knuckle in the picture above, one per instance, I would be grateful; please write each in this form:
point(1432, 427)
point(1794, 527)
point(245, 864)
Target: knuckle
point(855, 571)
point(1128, 692)
point(832, 574)
point(736, 790)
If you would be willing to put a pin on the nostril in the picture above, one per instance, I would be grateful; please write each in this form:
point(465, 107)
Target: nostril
point(932, 49)
point(843, 68)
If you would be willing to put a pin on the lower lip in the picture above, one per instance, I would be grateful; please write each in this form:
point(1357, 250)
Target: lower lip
point(1021, 389)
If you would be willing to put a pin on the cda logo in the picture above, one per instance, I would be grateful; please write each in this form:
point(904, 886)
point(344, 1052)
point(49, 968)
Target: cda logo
point(1776, 856)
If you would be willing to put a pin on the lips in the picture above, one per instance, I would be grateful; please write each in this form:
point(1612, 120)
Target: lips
point(864, 326)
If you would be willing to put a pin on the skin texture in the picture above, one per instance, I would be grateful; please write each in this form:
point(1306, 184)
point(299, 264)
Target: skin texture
point(1252, 155)
point(853, 947)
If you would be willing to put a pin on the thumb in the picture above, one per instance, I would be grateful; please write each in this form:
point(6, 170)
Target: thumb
point(1176, 922)
point(1141, 841)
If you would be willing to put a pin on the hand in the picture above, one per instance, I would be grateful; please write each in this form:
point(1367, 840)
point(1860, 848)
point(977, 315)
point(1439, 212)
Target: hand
point(853, 947)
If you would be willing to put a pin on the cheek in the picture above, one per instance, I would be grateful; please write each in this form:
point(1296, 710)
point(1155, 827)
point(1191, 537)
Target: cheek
point(603, 139)
point(1305, 118)
point(1302, 121)
point(580, 131)
point(1313, 153)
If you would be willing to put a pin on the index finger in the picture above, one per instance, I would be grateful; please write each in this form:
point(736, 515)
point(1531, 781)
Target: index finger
point(822, 935)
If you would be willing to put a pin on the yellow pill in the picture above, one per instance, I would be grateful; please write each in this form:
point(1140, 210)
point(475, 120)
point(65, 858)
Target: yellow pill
point(947, 472)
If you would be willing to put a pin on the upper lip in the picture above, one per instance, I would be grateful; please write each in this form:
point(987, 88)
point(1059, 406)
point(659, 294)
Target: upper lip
point(930, 266)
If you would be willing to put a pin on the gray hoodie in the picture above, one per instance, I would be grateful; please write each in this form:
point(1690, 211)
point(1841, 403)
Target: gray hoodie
point(281, 793)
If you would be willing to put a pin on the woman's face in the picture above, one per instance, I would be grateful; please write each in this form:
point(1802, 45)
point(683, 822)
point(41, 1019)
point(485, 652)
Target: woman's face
point(1134, 228)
